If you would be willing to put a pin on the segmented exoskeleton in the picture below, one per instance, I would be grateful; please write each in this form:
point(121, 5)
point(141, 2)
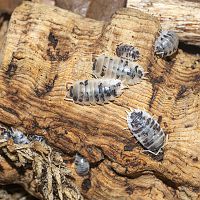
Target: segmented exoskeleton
point(128, 72)
point(95, 91)
point(82, 166)
point(166, 44)
point(146, 130)
point(127, 52)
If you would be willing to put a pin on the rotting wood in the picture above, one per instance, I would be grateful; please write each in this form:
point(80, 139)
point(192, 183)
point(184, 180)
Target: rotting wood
point(180, 15)
point(47, 42)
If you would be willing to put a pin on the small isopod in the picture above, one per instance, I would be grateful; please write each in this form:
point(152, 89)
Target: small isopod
point(128, 72)
point(166, 44)
point(95, 91)
point(37, 138)
point(127, 52)
point(82, 166)
point(19, 137)
point(146, 130)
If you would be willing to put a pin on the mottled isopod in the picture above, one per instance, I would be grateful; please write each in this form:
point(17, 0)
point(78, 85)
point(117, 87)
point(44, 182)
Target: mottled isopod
point(37, 138)
point(146, 130)
point(128, 72)
point(19, 137)
point(166, 44)
point(95, 91)
point(127, 52)
point(82, 166)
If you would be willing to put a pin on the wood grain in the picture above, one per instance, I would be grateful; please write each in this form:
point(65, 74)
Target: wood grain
point(180, 15)
point(47, 46)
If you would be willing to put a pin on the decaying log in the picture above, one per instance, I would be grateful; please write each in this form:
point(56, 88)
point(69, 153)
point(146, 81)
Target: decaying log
point(47, 47)
point(182, 16)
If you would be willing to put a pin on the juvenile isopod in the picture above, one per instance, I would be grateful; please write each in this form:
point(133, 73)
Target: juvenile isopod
point(166, 44)
point(128, 72)
point(127, 52)
point(82, 166)
point(37, 138)
point(95, 91)
point(19, 137)
point(146, 130)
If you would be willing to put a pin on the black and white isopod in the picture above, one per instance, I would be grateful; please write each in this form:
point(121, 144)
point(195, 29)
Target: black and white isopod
point(128, 72)
point(166, 44)
point(146, 130)
point(95, 91)
point(82, 166)
point(127, 52)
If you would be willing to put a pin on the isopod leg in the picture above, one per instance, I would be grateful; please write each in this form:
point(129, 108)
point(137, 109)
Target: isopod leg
point(131, 109)
point(166, 140)
point(68, 99)
point(93, 75)
point(125, 117)
point(124, 86)
point(155, 154)
point(162, 54)
point(69, 82)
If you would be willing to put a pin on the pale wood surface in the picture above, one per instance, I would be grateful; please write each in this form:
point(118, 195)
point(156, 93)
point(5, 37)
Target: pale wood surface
point(179, 15)
point(47, 46)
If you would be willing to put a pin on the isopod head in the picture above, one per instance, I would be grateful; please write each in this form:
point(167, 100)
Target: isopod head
point(118, 86)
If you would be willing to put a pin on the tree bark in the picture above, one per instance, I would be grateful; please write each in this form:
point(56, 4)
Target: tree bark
point(46, 47)
point(179, 15)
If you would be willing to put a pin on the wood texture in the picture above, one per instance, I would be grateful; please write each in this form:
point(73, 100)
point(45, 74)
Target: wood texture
point(179, 15)
point(47, 46)
point(4, 20)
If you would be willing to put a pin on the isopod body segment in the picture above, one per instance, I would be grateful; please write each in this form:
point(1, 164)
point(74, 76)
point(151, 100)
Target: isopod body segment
point(95, 91)
point(82, 166)
point(146, 130)
point(116, 68)
point(166, 44)
point(127, 52)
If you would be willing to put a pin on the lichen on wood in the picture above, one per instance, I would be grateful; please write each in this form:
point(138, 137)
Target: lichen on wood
point(39, 169)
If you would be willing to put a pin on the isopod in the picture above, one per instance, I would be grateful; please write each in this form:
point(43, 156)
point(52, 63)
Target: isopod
point(95, 91)
point(128, 72)
point(37, 138)
point(146, 130)
point(166, 44)
point(19, 137)
point(82, 166)
point(127, 52)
